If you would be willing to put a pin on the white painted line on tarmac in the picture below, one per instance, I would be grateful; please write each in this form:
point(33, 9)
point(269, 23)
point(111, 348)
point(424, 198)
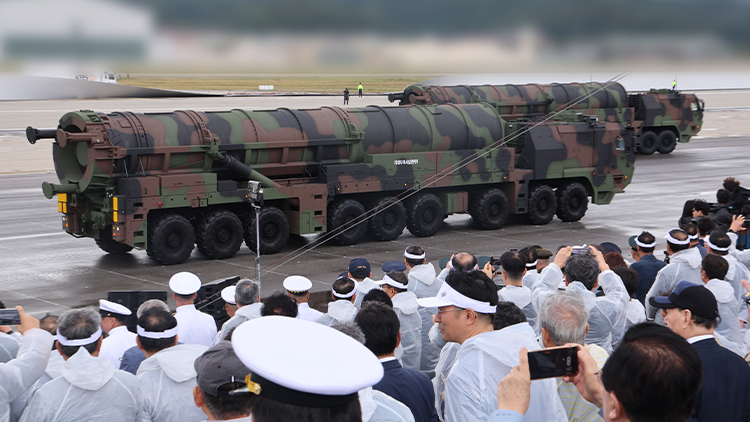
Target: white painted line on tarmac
point(31, 236)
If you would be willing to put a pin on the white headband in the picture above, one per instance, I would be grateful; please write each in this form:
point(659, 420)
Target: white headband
point(645, 245)
point(391, 282)
point(344, 295)
point(410, 256)
point(714, 247)
point(674, 241)
point(532, 264)
point(448, 296)
point(78, 342)
point(156, 334)
point(693, 237)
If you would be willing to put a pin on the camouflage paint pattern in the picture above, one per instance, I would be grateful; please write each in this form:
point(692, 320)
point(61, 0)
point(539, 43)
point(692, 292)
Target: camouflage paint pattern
point(122, 169)
point(655, 111)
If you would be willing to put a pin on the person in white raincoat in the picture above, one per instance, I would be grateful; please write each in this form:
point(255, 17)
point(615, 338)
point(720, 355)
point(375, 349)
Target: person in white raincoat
point(167, 377)
point(90, 388)
point(684, 265)
point(467, 303)
point(635, 313)
point(405, 304)
point(513, 270)
point(19, 374)
point(583, 273)
point(713, 270)
point(424, 283)
point(359, 271)
point(342, 309)
point(247, 298)
point(8, 344)
point(448, 352)
point(719, 244)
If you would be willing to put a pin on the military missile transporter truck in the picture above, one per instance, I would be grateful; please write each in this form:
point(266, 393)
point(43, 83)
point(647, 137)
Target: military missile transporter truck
point(165, 182)
point(663, 116)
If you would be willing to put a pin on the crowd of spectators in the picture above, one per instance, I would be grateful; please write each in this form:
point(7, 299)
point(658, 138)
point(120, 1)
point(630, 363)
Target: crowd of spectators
point(656, 340)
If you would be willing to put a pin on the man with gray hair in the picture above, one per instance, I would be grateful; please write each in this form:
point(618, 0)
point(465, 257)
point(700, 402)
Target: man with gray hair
point(247, 296)
point(563, 319)
point(133, 357)
point(90, 388)
point(584, 272)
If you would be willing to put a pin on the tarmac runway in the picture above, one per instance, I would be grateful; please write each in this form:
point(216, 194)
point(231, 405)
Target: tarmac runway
point(46, 270)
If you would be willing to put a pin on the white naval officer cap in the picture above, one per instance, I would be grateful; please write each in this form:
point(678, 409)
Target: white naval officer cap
point(297, 284)
point(184, 283)
point(267, 355)
point(107, 308)
point(227, 293)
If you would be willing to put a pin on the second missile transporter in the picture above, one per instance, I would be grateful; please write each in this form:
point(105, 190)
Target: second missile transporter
point(663, 117)
point(165, 182)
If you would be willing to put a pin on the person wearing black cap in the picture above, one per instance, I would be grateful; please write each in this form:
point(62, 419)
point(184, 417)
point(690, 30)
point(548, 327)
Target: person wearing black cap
point(646, 265)
point(166, 378)
point(684, 265)
point(119, 339)
point(691, 311)
point(220, 371)
point(359, 271)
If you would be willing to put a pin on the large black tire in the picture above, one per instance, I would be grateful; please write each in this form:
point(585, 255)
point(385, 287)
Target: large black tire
point(274, 230)
point(489, 209)
point(424, 215)
point(219, 234)
point(572, 202)
point(542, 205)
point(649, 143)
point(105, 243)
point(171, 239)
point(340, 213)
point(387, 223)
point(667, 142)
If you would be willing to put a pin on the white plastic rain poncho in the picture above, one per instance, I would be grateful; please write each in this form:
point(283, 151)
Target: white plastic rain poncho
point(604, 312)
point(90, 389)
point(380, 407)
point(194, 326)
point(423, 283)
point(405, 304)
point(8, 347)
point(635, 313)
point(19, 374)
point(339, 312)
point(728, 324)
point(684, 265)
point(363, 287)
point(166, 382)
point(443, 368)
point(119, 340)
point(304, 311)
point(530, 279)
point(737, 272)
point(53, 370)
point(521, 296)
point(243, 314)
point(482, 361)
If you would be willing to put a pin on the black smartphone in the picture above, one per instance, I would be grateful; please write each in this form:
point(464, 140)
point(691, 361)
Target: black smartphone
point(9, 317)
point(553, 362)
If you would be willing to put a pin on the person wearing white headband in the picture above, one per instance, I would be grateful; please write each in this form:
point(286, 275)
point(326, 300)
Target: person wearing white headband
point(694, 237)
point(467, 303)
point(513, 267)
point(684, 265)
point(584, 273)
point(646, 264)
point(90, 388)
point(394, 284)
point(167, 377)
point(714, 269)
point(423, 282)
point(719, 243)
point(342, 309)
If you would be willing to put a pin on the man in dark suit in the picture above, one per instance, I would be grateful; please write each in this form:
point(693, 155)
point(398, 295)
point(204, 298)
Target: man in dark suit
point(646, 265)
point(380, 325)
point(691, 311)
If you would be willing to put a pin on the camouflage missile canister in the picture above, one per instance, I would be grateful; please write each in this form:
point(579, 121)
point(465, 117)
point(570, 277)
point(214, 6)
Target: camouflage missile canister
point(165, 182)
point(662, 117)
